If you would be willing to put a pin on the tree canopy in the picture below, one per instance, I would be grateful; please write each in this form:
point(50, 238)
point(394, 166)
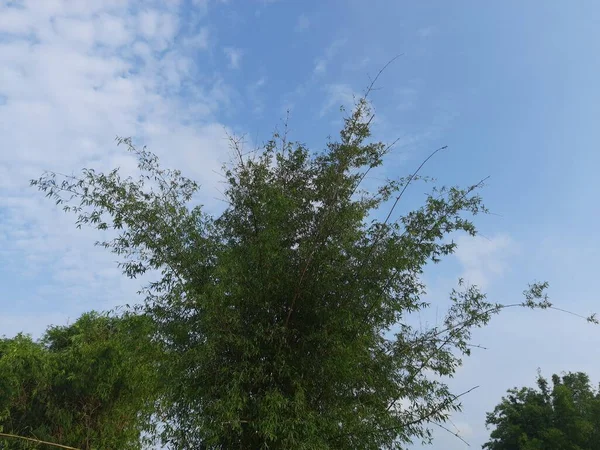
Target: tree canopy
point(89, 385)
point(285, 319)
point(564, 416)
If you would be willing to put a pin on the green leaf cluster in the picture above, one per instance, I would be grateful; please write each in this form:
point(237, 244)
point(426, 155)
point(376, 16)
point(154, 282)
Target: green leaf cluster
point(564, 416)
point(89, 385)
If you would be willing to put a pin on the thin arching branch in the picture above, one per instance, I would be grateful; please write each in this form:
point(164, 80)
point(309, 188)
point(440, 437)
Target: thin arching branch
point(456, 434)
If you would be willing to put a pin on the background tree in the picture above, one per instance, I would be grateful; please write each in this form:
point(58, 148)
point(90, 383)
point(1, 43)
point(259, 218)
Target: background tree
point(286, 317)
point(566, 417)
point(89, 385)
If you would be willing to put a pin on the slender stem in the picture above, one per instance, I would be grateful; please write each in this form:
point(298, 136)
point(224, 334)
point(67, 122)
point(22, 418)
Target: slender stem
point(37, 441)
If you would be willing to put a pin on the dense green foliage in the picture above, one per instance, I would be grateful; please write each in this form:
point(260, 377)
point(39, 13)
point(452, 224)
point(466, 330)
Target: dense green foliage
point(88, 385)
point(564, 417)
point(286, 319)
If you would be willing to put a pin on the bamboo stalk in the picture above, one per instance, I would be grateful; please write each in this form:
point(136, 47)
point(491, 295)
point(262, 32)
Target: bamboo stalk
point(14, 436)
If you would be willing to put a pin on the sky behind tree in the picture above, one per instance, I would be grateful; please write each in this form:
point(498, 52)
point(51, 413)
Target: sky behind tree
point(511, 87)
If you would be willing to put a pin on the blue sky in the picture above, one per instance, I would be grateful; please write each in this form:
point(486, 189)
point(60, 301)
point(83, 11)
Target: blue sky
point(511, 87)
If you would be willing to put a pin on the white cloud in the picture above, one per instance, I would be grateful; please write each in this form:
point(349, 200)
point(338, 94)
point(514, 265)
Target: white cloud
point(320, 67)
point(13, 20)
point(78, 31)
point(112, 31)
point(74, 75)
point(425, 32)
point(338, 95)
point(484, 259)
point(158, 27)
point(148, 23)
point(234, 55)
point(406, 98)
point(199, 41)
point(322, 63)
point(255, 97)
point(302, 24)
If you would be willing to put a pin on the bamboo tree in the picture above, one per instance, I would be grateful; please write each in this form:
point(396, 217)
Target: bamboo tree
point(285, 318)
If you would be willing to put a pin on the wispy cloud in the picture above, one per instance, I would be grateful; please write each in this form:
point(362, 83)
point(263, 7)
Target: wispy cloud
point(336, 96)
point(234, 56)
point(322, 63)
point(199, 40)
point(406, 98)
point(255, 96)
point(425, 32)
point(302, 24)
point(483, 260)
point(320, 67)
point(315, 78)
